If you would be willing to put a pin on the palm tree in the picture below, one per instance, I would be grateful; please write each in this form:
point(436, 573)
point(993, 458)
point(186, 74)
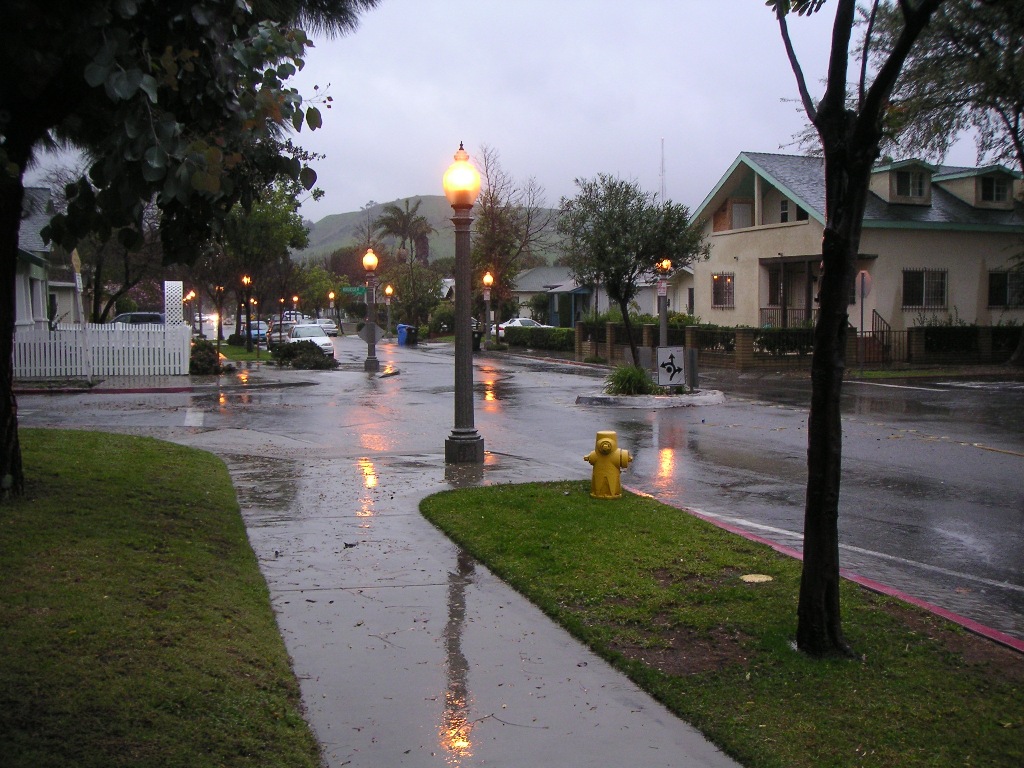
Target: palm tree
point(407, 226)
point(404, 224)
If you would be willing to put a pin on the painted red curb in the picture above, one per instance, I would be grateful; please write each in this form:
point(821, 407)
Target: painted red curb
point(970, 625)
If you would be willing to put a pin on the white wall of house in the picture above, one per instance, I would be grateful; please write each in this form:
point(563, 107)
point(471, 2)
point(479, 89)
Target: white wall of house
point(736, 253)
point(964, 261)
point(965, 258)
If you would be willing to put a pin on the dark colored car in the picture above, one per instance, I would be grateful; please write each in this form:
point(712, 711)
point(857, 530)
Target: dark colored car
point(140, 318)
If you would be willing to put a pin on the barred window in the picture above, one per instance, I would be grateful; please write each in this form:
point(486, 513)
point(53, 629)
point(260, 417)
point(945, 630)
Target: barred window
point(924, 288)
point(1006, 289)
point(722, 289)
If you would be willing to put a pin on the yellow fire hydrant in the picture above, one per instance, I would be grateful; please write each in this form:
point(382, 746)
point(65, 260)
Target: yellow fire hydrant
point(607, 459)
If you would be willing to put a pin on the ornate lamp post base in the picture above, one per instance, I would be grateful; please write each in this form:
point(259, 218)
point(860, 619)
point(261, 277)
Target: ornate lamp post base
point(464, 446)
point(371, 365)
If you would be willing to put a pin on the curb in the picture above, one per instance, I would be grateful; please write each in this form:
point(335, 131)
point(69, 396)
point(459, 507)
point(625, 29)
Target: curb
point(701, 397)
point(972, 626)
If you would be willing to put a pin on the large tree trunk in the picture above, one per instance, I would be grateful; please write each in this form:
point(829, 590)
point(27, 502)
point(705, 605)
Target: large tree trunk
point(12, 478)
point(624, 307)
point(847, 170)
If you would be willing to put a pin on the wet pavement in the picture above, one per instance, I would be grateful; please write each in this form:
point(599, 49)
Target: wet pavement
point(409, 653)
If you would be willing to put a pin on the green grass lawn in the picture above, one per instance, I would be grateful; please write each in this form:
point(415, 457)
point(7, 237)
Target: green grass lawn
point(660, 594)
point(137, 628)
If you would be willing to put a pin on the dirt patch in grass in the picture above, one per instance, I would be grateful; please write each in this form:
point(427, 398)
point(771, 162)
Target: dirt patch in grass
point(973, 649)
point(684, 651)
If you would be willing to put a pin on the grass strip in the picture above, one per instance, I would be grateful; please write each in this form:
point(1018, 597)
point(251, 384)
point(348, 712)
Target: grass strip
point(660, 595)
point(137, 627)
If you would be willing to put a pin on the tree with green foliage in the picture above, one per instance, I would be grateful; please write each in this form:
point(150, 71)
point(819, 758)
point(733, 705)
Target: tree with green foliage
point(512, 226)
point(172, 102)
point(966, 74)
point(417, 291)
point(851, 131)
point(314, 284)
point(615, 235)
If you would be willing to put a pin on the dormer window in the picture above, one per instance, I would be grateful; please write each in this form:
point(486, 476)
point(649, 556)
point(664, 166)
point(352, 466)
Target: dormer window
point(995, 189)
point(910, 184)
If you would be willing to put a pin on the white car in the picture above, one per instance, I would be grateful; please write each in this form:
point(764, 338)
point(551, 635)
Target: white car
point(312, 332)
point(518, 322)
point(328, 325)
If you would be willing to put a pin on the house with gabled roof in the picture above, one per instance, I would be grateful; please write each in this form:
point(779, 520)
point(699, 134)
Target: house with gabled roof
point(938, 242)
point(31, 297)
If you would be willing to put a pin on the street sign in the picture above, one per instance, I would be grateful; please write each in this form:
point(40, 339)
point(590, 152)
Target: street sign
point(663, 287)
point(357, 289)
point(671, 366)
point(366, 330)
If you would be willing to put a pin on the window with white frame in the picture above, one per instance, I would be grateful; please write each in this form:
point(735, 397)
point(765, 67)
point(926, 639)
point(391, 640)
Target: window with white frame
point(994, 189)
point(722, 289)
point(783, 211)
point(1006, 289)
point(924, 288)
point(909, 183)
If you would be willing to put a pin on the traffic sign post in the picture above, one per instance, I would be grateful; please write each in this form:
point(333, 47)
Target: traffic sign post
point(671, 366)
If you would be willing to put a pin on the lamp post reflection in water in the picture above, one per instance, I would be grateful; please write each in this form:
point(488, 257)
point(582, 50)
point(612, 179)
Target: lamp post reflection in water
point(456, 728)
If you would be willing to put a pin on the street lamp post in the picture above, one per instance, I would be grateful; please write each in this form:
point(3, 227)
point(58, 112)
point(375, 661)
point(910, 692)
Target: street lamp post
point(488, 282)
point(247, 282)
point(388, 291)
point(295, 308)
point(220, 316)
point(189, 302)
point(371, 364)
point(330, 298)
point(461, 186)
point(280, 321)
point(664, 267)
point(253, 302)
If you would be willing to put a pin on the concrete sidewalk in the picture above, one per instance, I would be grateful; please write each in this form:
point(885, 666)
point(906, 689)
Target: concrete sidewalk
point(408, 652)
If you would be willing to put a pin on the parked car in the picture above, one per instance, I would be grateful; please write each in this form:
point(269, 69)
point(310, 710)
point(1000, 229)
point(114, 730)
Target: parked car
point(279, 332)
point(518, 322)
point(328, 325)
point(259, 331)
point(140, 318)
point(312, 332)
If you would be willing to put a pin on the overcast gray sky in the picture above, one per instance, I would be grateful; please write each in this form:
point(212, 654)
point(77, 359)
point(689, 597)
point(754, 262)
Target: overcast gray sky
point(562, 89)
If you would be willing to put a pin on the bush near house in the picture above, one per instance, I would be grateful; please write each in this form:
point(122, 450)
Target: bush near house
point(204, 359)
point(783, 341)
point(558, 339)
point(305, 355)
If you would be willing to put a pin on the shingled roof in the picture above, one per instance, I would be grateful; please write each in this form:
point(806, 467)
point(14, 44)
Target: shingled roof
point(803, 179)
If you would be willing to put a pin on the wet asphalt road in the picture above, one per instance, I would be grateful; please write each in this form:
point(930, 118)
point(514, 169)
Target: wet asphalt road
point(376, 607)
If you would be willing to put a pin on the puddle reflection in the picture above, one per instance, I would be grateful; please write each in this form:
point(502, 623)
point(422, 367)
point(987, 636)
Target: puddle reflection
point(369, 471)
point(455, 730)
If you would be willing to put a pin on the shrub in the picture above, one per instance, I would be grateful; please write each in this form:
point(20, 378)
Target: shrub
point(442, 320)
point(631, 380)
point(204, 359)
point(562, 339)
point(305, 355)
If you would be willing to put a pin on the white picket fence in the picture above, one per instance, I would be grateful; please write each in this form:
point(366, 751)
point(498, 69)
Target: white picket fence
point(75, 351)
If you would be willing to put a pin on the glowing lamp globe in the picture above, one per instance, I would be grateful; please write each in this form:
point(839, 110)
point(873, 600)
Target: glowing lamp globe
point(461, 181)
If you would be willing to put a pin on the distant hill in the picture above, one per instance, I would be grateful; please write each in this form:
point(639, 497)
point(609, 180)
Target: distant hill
point(340, 229)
